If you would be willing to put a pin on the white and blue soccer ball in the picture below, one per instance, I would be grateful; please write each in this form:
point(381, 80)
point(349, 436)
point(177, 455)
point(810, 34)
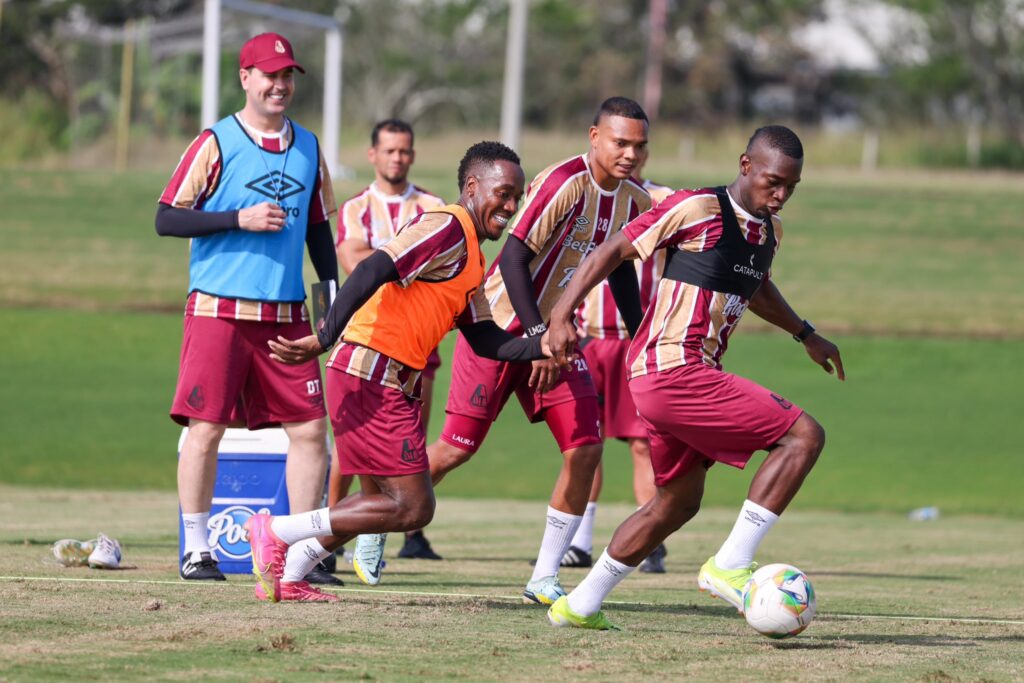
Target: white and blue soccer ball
point(779, 601)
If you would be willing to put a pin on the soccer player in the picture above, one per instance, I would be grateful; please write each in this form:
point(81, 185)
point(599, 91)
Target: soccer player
point(367, 221)
point(604, 343)
point(390, 314)
point(719, 244)
point(251, 193)
point(571, 207)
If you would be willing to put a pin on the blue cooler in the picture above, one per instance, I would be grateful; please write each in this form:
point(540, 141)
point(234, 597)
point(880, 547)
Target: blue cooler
point(250, 479)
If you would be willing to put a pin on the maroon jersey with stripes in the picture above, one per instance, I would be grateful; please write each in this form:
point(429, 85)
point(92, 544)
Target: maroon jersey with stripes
point(564, 217)
point(687, 324)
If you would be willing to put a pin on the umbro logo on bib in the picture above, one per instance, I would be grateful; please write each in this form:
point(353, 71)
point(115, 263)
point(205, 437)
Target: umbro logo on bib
point(268, 185)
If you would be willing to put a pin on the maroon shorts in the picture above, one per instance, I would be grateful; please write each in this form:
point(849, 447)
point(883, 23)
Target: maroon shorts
point(480, 387)
point(433, 363)
point(226, 372)
point(698, 415)
point(378, 430)
point(607, 361)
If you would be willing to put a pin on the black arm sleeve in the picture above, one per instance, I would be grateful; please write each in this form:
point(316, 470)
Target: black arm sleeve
point(369, 276)
point(172, 221)
point(626, 292)
point(320, 243)
point(515, 271)
point(490, 341)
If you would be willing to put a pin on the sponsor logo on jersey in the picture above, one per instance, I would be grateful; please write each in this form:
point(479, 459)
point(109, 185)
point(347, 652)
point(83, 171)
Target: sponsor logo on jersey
point(582, 246)
point(567, 274)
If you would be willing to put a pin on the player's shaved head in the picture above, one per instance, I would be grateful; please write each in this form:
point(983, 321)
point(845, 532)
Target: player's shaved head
point(484, 153)
point(779, 138)
point(620, 106)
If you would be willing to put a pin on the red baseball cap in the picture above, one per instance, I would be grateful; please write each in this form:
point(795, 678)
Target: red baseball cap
point(269, 52)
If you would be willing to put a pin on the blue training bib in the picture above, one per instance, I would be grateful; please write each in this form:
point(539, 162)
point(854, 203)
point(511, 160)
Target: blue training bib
point(261, 266)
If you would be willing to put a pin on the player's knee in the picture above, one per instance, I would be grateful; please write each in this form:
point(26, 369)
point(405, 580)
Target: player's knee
point(416, 514)
point(811, 437)
point(204, 437)
point(640, 450)
point(585, 458)
point(445, 457)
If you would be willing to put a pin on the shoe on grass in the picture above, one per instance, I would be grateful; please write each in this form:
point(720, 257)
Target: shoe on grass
point(320, 576)
point(576, 557)
point(543, 591)
point(728, 584)
point(106, 554)
point(268, 553)
point(562, 616)
point(368, 557)
point(200, 567)
point(417, 547)
point(73, 553)
point(297, 591)
point(655, 562)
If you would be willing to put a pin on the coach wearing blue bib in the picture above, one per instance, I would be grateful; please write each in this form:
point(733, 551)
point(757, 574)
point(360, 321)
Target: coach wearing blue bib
point(252, 193)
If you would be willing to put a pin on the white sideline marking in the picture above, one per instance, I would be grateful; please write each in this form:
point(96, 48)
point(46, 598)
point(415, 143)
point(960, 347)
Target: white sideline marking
point(476, 596)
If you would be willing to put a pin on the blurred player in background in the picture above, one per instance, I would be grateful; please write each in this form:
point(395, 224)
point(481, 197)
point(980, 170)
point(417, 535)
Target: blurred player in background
point(390, 314)
point(251, 193)
point(570, 208)
point(368, 221)
point(604, 341)
point(720, 244)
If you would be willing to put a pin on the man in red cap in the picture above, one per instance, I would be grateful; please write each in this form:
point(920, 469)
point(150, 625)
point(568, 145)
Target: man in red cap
point(252, 193)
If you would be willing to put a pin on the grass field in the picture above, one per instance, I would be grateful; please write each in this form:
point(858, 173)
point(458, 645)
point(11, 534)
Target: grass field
point(914, 275)
point(897, 601)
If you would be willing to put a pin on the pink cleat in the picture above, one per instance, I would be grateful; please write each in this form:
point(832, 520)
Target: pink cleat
point(297, 591)
point(268, 552)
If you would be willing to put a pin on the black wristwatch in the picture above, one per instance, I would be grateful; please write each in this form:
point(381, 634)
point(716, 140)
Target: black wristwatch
point(806, 331)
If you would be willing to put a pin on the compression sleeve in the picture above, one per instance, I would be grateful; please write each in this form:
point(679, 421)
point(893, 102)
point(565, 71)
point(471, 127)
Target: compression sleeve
point(172, 221)
point(626, 292)
point(320, 244)
point(369, 276)
point(490, 341)
point(515, 271)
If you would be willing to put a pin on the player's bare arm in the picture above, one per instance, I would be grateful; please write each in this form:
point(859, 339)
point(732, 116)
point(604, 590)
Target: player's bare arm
point(264, 217)
point(769, 304)
point(595, 268)
point(352, 252)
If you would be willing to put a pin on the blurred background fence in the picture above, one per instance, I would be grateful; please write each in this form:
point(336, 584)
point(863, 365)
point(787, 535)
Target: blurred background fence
point(881, 83)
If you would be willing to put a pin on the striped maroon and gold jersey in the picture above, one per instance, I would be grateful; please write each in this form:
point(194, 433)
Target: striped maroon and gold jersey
point(687, 324)
point(564, 217)
point(196, 178)
point(598, 316)
point(432, 247)
point(374, 217)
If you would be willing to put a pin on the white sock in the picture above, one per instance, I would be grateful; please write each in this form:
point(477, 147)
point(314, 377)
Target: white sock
point(558, 533)
point(587, 597)
point(751, 526)
point(294, 528)
point(584, 538)
point(197, 534)
point(301, 559)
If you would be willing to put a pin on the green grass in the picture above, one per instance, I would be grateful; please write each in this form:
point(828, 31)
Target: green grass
point(891, 594)
point(919, 421)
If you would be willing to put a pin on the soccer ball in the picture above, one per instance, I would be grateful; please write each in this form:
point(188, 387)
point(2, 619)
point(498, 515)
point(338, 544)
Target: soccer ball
point(779, 601)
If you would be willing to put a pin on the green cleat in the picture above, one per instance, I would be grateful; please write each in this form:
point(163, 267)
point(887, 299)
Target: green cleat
point(561, 615)
point(728, 584)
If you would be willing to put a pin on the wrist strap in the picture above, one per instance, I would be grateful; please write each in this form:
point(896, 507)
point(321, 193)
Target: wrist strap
point(806, 331)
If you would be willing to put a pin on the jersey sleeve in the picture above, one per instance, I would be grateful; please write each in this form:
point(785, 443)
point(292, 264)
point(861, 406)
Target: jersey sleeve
point(352, 222)
point(547, 202)
point(430, 247)
point(681, 217)
point(323, 204)
point(476, 311)
point(196, 176)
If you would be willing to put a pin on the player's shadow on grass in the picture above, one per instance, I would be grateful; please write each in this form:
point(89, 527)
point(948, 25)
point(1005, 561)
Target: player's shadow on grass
point(874, 575)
